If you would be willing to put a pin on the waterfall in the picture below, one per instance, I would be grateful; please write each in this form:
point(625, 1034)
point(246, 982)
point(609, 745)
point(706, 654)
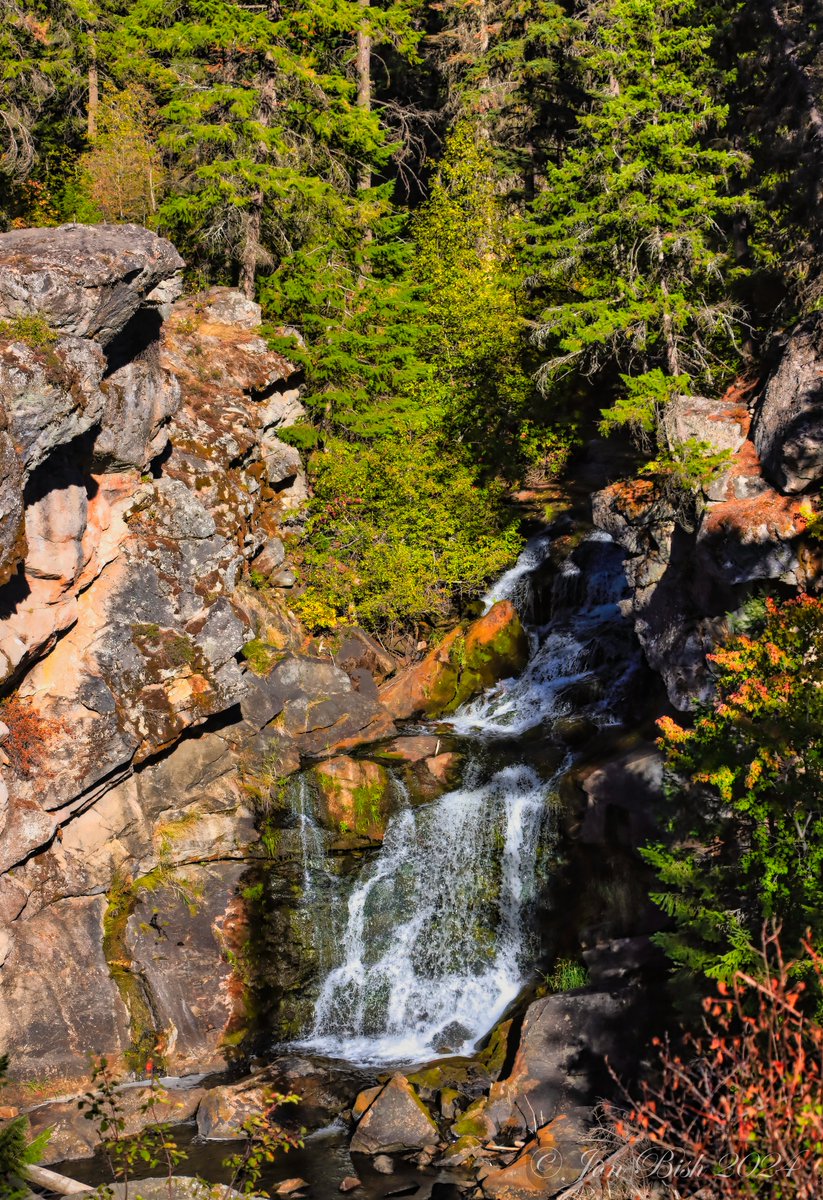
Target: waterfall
point(585, 640)
point(435, 944)
point(434, 937)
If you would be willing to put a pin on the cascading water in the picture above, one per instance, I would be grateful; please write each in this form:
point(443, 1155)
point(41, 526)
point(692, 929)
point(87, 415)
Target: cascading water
point(434, 938)
point(585, 640)
point(435, 941)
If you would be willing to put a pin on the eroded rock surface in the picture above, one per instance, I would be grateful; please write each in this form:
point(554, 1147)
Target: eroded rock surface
point(142, 479)
point(686, 575)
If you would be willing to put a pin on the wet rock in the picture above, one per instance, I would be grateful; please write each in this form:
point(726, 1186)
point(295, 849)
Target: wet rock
point(349, 1184)
point(566, 1041)
point(465, 1151)
point(410, 749)
point(788, 426)
point(467, 661)
point(86, 280)
point(353, 796)
point(325, 1089)
point(224, 1110)
point(396, 1120)
point(290, 1187)
point(383, 1164)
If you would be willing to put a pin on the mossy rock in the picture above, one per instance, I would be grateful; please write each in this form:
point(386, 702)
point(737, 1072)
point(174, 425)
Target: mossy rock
point(353, 797)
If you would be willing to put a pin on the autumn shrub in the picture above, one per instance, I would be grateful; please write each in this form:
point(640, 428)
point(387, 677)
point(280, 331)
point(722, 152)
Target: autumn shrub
point(29, 736)
point(737, 1110)
point(745, 798)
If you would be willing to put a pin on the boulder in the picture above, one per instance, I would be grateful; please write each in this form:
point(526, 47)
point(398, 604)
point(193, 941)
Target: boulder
point(224, 1110)
point(788, 425)
point(359, 651)
point(395, 1120)
point(72, 1136)
point(721, 425)
point(353, 796)
point(270, 557)
point(568, 1044)
point(314, 704)
point(86, 280)
point(549, 1162)
point(466, 662)
point(363, 1099)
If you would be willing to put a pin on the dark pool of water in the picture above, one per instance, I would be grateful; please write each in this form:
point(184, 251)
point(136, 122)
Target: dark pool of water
point(324, 1161)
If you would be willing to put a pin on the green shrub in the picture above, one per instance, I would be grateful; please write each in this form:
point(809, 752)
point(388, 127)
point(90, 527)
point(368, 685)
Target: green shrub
point(400, 531)
point(567, 975)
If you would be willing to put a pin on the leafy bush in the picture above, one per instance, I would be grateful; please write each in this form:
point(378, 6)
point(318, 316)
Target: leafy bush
point(399, 531)
point(16, 1150)
point(746, 792)
point(738, 1112)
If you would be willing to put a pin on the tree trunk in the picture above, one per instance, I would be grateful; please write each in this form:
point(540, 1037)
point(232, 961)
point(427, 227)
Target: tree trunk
point(251, 252)
point(789, 52)
point(251, 246)
point(363, 68)
point(94, 90)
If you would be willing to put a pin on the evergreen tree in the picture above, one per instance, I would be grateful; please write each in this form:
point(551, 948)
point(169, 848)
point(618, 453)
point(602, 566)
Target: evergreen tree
point(631, 235)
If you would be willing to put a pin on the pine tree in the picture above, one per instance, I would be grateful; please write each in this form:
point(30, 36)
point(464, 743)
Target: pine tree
point(632, 233)
point(261, 122)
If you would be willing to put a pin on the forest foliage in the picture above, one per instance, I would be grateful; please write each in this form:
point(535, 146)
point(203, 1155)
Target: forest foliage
point(487, 223)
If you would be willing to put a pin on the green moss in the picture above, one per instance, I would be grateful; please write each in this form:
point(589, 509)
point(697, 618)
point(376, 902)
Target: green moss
point(473, 1123)
point(181, 650)
point(259, 655)
point(152, 632)
point(143, 1031)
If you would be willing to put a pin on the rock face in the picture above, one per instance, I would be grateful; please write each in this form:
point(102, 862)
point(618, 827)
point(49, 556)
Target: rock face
point(142, 479)
point(395, 1120)
point(788, 427)
point(493, 647)
point(684, 577)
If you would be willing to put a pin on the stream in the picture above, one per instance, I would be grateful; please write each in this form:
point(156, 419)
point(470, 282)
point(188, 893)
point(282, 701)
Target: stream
point(423, 949)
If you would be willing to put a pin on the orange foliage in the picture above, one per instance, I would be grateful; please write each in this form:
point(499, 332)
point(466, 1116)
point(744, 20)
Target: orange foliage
point(29, 734)
point(739, 1113)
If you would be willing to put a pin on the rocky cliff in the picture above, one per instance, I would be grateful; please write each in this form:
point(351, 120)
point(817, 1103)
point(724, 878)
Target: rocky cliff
point(753, 526)
point(142, 474)
point(154, 688)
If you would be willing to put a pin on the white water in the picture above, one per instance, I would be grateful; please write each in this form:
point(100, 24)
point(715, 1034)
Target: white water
point(434, 938)
point(435, 943)
point(583, 637)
